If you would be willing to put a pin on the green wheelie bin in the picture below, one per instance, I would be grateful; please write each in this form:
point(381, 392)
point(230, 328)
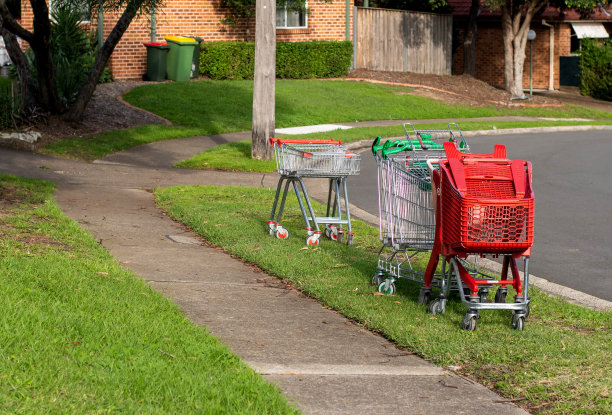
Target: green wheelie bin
point(156, 60)
point(180, 57)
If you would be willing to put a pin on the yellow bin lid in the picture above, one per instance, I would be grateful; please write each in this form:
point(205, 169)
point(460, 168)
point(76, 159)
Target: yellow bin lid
point(180, 39)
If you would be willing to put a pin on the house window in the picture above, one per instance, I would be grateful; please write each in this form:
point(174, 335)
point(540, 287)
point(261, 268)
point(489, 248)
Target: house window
point(288, 16)
point(80, 7)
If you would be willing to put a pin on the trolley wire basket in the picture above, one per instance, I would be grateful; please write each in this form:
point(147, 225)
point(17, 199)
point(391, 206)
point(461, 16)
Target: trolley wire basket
point(407, 221)
point(429, 144)
point(325, 158)
point(297, 159)
point(406, 213)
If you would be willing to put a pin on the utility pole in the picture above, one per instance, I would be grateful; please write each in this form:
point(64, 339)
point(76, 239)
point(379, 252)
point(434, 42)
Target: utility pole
point(264, 79)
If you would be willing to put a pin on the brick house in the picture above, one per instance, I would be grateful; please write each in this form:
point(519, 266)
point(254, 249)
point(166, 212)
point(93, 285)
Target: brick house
point(324, 21)
point(555, 31)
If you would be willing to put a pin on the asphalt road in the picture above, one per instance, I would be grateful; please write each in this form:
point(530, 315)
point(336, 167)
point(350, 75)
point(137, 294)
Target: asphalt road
point(572, 179)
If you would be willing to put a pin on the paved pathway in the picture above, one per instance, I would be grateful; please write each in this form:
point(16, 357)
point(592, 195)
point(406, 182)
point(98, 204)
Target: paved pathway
point(320, 360)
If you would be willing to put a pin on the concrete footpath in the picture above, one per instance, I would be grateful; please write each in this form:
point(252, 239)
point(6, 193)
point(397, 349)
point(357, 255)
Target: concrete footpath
point(322, 361)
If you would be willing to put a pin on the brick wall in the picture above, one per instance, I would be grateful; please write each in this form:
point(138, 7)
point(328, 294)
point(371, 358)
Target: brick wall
point(200, 18)
point(326, 21)
point(563, 33)
point(490, 55)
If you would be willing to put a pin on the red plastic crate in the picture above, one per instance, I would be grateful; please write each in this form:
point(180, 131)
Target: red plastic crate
point(487, 205)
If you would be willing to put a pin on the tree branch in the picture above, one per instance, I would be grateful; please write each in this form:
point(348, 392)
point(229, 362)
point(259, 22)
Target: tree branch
point(24, 75)
point(11, 25)
point(78, 107)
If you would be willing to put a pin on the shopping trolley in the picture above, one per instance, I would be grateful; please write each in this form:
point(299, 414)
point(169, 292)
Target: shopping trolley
point(484, 205)
point(297, 159)
point(406, 209)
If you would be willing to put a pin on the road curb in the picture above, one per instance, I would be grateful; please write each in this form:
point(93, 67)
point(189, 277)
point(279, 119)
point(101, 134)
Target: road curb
point(551, 288)
point(365, 144)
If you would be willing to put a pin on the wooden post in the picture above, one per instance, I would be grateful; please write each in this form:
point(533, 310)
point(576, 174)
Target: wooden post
point(264, 79)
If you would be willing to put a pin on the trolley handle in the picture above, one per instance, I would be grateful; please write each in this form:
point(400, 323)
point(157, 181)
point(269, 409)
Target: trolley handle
point(426, 136)
point(431, 162)
point(390, 146)
point(280, 141)
point(376, 146)
point(393, 147)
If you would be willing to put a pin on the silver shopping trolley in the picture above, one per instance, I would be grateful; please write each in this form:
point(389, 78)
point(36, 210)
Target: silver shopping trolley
point(406, 207)
point(297, 159)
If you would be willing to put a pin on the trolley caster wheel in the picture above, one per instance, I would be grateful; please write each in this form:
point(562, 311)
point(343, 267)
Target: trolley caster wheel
point(424, 295)
point(386, 287)
point(437, 306)
point(331, 232)
point(518, 322)
point(378, 278)
point(349, 239)
point(500, 295)
point(518, 299)
point(527, 311)
point(309, 231)
point(272, 227)
point(483, 295)
point(340, 235)
point(469, 322)
point(282, 233)
point(313, 240)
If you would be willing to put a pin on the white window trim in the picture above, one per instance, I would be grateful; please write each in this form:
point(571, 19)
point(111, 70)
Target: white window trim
point(296, 27)
point(50, 6)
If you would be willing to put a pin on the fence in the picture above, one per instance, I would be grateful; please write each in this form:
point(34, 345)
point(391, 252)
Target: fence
point(395, 40)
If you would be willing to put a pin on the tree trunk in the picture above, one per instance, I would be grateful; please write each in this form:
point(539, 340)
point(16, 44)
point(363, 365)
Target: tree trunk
point(469, 42)
point(76, 110)
point(264, 79)
point(40, 44)
point(515, 26)
point(26, 84)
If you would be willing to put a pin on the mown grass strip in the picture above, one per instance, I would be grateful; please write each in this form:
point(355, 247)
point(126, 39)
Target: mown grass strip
point(215, 107)
point(560, 364)
point(237, 156)
point(81, 334)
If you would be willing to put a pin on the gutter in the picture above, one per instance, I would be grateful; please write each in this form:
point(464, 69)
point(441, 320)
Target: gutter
point(551, 55)
point(348, 20)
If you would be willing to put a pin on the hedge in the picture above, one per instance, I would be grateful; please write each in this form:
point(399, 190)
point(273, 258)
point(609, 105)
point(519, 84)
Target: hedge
point(294, 60)
point(596, 69)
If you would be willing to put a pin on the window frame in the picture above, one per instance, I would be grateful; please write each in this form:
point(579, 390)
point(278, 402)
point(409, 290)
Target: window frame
point(284, 9)
point(86, 21)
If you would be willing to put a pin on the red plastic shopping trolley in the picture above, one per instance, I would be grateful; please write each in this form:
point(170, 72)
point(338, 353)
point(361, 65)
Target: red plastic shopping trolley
point(484, 205)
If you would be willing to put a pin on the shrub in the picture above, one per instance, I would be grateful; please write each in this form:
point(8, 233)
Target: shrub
point(73, 52)
point(227, 60)
point(8, 104)
point(596, 69)
point(321, 59)
point(294, 60)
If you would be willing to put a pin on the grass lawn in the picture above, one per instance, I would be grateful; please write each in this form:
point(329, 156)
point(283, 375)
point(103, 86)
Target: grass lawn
point(214, 107)
point(560, 363)
point(237, 156)
point(81, 334)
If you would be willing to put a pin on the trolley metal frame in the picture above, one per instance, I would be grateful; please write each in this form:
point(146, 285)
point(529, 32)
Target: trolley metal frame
point(406, 206)
point(297, 159)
